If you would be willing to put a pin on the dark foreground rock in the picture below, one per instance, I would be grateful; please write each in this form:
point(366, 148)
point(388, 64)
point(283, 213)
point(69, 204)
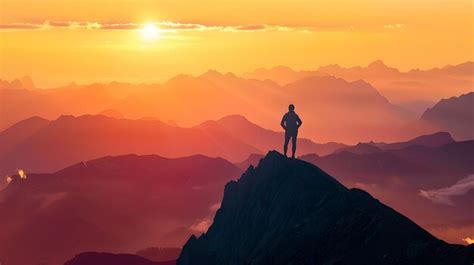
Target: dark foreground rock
point(288, 211)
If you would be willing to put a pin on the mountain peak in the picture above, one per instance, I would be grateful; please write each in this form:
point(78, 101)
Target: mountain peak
point(282, 68)
point(287, 211)
point(234, 117)
point(378, 64)
point(211, 73)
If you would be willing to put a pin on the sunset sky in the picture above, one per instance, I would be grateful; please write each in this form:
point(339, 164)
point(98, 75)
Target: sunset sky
point(57, 42)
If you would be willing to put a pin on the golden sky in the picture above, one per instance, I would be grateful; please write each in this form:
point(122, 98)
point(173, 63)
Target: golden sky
point(59, 41)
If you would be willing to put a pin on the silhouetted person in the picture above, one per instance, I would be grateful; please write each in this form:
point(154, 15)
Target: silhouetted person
point(291, 122)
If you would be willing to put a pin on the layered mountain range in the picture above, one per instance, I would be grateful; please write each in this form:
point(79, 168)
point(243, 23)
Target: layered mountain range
point(155, 201)
point(114, 204)
point(138, 168)
point(410, 88)
point(70, 139)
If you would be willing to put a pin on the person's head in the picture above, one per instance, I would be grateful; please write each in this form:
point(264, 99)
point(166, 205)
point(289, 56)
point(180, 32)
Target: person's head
point(291, 107)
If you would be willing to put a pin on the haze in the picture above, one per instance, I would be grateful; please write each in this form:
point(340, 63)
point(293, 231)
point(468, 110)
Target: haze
point(57, 42)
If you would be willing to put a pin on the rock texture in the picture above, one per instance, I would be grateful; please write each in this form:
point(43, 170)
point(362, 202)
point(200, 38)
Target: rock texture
point(288, 211)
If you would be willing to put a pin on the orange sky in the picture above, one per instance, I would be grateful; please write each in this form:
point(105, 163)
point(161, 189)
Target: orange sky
point(85, 41)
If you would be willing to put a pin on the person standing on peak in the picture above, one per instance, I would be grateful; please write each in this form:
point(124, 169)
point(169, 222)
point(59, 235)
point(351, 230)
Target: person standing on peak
point(291, 123)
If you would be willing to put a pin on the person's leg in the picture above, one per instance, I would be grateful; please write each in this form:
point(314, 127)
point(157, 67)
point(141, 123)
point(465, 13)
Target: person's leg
point(293, 143)
point(287, 139)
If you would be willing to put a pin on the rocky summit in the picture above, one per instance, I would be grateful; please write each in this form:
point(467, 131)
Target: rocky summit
point(287, 211)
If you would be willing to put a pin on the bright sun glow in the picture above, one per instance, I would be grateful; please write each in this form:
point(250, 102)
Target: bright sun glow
point(150, 32)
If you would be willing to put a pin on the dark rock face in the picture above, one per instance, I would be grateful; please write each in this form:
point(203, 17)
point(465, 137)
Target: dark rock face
point(288, 211)
point(94, 258)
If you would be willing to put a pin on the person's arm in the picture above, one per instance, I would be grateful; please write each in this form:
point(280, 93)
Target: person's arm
point(299, 121)
point(282, 123)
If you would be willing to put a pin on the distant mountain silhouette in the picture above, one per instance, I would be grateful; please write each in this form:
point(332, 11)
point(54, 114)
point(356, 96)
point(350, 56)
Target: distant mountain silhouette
point(71, 139)
point(112, 204)
point(51, 103)
point(332, 102)
point(428, 85)
point(335, 103)
point(14, 135)
point(283, 75)
point(440, 165)
point(400, 87)
point(264, 139)
point(431, 140)
point(377, 68)
point(232, 137)
point(290, 212)
point(397, 176)
point(94, 258)
point(455, 115)
point(111, 113)
point(360, 148)
point(463, 69)
point(21, 104)
point(25, 83)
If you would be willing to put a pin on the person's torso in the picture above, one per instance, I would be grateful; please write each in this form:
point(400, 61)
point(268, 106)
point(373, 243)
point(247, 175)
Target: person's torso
point(291, 121)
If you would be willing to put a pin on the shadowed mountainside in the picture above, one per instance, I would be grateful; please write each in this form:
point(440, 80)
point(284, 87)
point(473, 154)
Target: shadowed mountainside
point(19, 132)
point(455, 115)
point(290, 212)
point(112, 204)
point(71, 139)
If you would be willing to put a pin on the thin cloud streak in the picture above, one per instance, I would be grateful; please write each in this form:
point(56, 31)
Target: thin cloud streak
point(178, 26)
point(443, 195)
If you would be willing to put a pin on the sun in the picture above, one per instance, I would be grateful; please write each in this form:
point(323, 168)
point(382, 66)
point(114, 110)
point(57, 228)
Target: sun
point(150, 32)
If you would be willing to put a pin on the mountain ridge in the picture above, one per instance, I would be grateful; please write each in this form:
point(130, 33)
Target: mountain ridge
point(119, 203)
point(288, 211)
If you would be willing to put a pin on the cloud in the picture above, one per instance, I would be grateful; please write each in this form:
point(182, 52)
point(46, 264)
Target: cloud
point(20, 26)
point(394, 26)
point(250, 27)
point(443, 195)
point(174, 26)
point(468, 240)
point(128, 26)
point(59, 24)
